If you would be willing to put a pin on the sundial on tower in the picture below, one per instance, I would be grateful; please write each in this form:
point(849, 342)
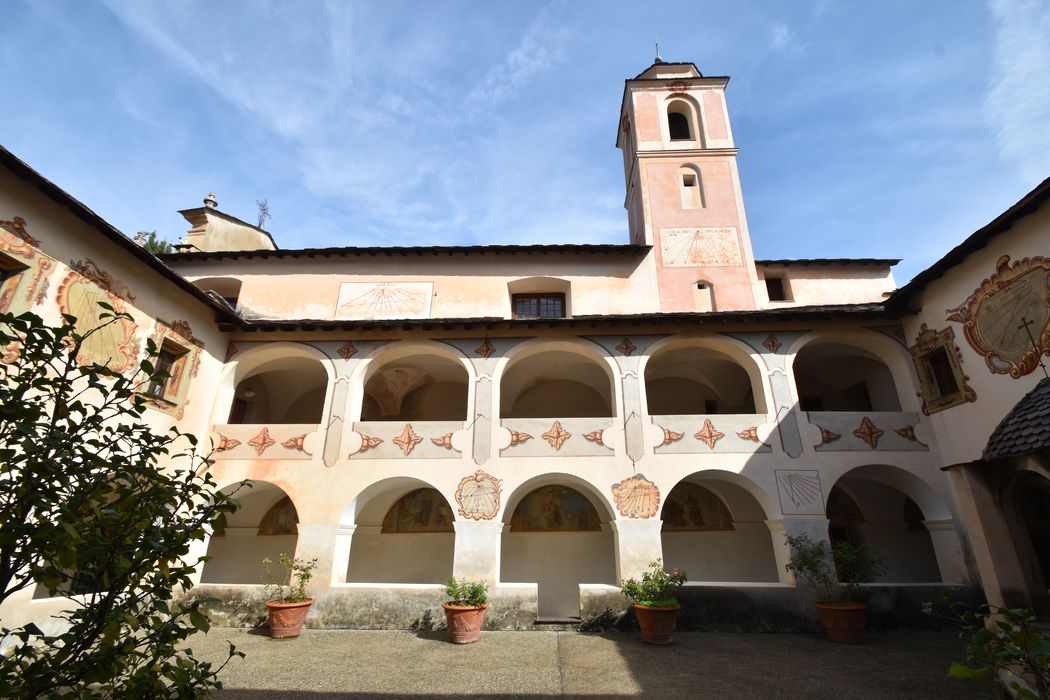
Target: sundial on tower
point(699, 247)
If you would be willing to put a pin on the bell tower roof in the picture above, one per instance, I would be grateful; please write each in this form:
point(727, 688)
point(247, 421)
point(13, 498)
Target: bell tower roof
point(663, 70)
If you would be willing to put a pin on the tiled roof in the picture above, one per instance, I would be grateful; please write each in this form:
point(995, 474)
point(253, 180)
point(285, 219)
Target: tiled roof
point(1026, 429)
point(417, 251)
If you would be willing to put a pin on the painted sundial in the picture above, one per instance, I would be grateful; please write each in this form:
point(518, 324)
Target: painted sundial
point(478, 496)
point(699, 247)
point(384, 300)
point(1007, 318)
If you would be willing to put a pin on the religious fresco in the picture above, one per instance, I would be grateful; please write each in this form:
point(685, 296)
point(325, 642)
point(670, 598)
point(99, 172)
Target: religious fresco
point(1006, 319)
point(422, 510)
point(281, 519)
point(691, 507)
point(555, 509)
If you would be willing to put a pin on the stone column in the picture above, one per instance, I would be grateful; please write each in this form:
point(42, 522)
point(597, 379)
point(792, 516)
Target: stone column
point(637, 544)
point(344, 536)
point(316, 541)
point(948, 548)
point(993, 548)
point(814, 526)
point(781, 551)
point(477, 553)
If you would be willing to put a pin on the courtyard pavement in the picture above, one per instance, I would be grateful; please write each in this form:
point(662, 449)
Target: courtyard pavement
point(330, 664)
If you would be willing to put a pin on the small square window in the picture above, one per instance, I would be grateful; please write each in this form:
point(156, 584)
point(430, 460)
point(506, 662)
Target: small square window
point(776, 289)
point(538, 305)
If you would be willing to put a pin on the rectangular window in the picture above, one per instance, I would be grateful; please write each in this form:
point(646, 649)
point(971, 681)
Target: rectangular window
point(941, 377)
point(776, 289)
point(940, 374)
point(538, 305)
point(170, 362)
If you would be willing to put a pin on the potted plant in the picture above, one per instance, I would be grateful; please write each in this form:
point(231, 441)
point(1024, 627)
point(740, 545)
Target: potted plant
point(834, 573)
point(465, 609)
point(287, 602)
point(655, 606)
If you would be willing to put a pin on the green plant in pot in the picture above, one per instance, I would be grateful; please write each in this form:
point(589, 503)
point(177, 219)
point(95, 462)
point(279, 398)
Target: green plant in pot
point(834, 574)
point(655, 605)
point(287, 601)
point(465, 606)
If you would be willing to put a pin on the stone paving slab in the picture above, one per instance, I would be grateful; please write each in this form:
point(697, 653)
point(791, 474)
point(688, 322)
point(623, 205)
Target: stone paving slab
point(350, 664)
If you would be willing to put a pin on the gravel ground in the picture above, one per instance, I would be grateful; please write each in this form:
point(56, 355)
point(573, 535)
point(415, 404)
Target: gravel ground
point(329, 664)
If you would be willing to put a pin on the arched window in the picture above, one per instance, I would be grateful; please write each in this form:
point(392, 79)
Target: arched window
point(704, 296)
point(679, 126)
point(422, 510)
point(691, 187)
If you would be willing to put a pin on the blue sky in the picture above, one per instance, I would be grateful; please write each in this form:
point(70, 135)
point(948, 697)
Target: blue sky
point(889, 129)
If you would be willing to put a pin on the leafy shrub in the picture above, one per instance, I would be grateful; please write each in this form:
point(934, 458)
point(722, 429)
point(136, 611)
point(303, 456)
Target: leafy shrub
point(465, 593)
point(657, 587)
point(832, 572)
point(296, 570)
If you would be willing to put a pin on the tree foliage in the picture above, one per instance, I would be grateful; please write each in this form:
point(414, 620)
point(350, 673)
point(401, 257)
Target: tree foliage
point(99, 509)
point(151, 242)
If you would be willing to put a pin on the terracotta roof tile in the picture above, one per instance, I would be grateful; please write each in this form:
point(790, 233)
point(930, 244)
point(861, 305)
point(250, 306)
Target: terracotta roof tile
point(1026, 428)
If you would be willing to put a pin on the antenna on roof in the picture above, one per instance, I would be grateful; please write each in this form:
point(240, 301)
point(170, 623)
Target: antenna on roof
point(658, 59)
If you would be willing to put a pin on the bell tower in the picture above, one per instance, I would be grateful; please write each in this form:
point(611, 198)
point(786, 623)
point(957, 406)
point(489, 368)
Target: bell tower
point(683, 188)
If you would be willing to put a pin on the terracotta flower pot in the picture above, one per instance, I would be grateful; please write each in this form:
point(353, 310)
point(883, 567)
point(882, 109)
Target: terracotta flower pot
point(658, 624)
point(464, 622)
point(286, 619)
point(844, 622)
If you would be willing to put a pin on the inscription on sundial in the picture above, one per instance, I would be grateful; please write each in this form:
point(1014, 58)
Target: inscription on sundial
point(700, 247)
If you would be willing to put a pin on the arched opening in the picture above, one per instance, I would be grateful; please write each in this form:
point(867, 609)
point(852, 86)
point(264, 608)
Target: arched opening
point(556, 384)
point(417, 387)
point(834, 377)
point(715, 530)
point(691, 187)
point(265, 525)
point(693, 380)
point(404, 534)
point(284, 390)
point(679, 121)
point(557, 538)
point(867, 511)
point(1031, 505)
point(227, 288)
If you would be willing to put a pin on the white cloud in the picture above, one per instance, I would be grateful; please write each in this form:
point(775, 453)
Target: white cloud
point(1017, 103)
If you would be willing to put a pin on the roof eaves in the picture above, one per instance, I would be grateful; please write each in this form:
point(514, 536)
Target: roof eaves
point(23, 171)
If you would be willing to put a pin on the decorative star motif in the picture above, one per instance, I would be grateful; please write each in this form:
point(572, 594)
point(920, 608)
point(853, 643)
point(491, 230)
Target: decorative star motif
point(827, 436)
point(408, 439)
point(868, 432)
point(517, 438)
point(771, 343)
point(347, 350)
point(231, 350)
point(708, 434)
point(556, 436)
point(443, 441)
point(596, 436)
point(226, 443)
point(749, 434)
point(670, 436)
point(294, 443)
point(485, 349)
point(262, 441)
point(626, 347)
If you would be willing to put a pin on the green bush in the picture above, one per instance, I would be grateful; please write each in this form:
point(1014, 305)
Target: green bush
point(832, 572)
point(465, 593)
point(657, 587)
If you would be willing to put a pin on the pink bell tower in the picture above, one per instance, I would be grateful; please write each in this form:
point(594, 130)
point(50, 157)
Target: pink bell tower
point(683, 188)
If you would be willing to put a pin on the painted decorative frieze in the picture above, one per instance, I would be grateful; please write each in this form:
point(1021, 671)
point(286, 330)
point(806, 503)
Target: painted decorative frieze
point(595, 436)
point(771, 343)
point(407, 439)
point(347, 350)
point(671, 436)
point(869, 432)
point(708, 434)
point(19, 242)
point(626, 347)
point(750, 434)
point(486, 349)
point(231, 350)
point(295, 442)
point(908, 433)
point(827, 436)
point(1006, 319)
point(262, 441)
point(478, 496)
point(556, 436)
point(636, 497)
point(226, 443)
point(368, 442)
point(517, 438)
point(443, 441)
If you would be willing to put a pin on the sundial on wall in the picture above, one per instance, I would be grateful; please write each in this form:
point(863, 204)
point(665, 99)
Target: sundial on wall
point(384, 300)
point(699, 247)
point(1007, 318)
